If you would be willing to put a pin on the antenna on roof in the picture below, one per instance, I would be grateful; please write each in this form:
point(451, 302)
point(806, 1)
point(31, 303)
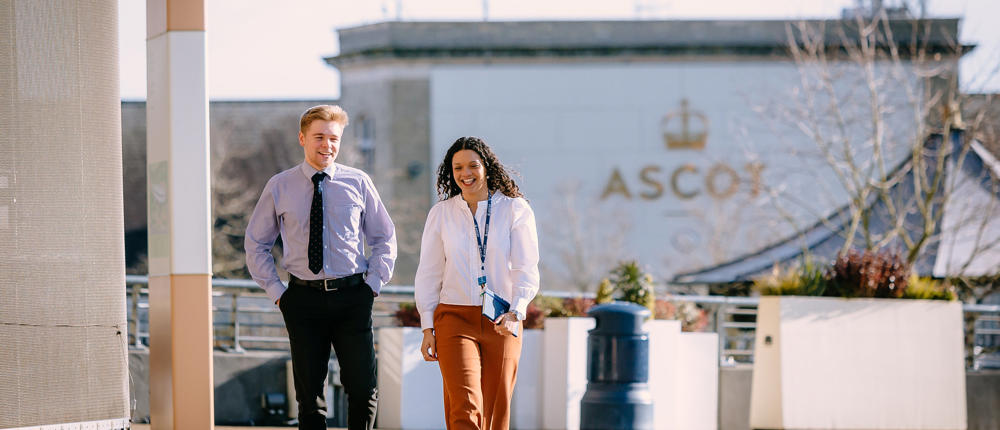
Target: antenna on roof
point(873, 8)
point(649, 9)
point(387, 13)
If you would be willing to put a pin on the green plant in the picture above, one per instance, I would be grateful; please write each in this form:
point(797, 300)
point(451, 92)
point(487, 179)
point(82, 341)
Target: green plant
point(634, 285)
point(804, 279)
point(549, 306)
point(881, 274)
point(780, 282)
point(604, 292)
point(928, 289)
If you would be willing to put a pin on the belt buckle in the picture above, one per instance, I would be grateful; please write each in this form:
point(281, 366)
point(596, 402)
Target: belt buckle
point(326, 282)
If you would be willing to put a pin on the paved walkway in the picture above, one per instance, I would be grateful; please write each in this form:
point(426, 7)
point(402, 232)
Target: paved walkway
point(146, 427)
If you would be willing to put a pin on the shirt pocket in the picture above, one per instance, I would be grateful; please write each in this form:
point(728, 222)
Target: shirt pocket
point(347, 220)
point(293, 216)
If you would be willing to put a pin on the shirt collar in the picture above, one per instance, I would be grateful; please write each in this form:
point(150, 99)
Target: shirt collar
point(309, 170)
point(459, 201)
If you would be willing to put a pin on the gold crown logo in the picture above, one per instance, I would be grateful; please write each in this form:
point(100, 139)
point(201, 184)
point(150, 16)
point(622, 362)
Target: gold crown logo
point(683, 136)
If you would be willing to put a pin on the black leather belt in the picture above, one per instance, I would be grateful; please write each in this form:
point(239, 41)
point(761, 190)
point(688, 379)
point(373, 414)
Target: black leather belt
point(328, 284)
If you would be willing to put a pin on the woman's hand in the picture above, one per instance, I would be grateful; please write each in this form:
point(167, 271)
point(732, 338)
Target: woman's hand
point(428, 347)
point(506, 324)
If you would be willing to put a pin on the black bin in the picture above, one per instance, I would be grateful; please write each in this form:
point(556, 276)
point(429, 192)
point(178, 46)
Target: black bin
point(618, 395)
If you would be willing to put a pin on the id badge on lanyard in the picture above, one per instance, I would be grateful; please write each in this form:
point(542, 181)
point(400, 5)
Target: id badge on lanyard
point(482, 241)
point(493, 304)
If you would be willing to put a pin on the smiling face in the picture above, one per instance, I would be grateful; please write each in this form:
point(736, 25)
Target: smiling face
point(469, 172)
point(321, 142)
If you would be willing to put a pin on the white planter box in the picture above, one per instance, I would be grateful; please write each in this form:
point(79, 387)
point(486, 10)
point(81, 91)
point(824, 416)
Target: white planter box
point(410, 393)
point(564, 371)
point(552, 378)
point(525, 411)
point(697, 382)
point(664, 335)
point(828, 363)
point(683, 377)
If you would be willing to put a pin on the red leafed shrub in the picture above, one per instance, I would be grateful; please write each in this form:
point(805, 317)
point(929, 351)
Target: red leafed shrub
point(555, 307)
point(407, 315)
point(882, 274)
point(692, 317)
point(534, 317)
point(664, 310)
point(576, 306)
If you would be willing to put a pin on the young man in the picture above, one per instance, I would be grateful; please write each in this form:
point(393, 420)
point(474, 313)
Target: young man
point(325, 213)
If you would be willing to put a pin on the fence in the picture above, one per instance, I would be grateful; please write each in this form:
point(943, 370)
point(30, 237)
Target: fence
point(244, 318)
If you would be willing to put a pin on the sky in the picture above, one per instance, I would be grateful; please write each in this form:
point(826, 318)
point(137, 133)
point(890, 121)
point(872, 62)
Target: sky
point(270, 49)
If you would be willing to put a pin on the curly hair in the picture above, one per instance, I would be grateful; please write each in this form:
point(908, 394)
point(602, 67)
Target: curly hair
point(497, 176)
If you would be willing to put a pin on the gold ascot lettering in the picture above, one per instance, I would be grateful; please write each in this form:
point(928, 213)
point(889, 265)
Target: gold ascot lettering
point(687, 168)
point(616, 185)
point(713, 175)
point(720, 182)
point(657, 188)
point(755, 169)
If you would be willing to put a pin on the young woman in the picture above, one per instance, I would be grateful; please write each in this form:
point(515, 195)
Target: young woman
point(479, 241)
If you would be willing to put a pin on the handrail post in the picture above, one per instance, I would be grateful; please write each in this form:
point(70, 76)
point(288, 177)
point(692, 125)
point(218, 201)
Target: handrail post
point(136, 291)
point(235, 321)
point(720, 331)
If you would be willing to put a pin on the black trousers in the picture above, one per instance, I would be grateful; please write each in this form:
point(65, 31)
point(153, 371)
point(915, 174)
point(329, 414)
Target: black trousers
point(317, 320)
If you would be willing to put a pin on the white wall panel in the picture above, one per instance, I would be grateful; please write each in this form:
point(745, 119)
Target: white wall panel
point(571, 126)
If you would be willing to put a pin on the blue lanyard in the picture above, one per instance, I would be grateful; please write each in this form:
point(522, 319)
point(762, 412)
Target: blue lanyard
point(482, 242)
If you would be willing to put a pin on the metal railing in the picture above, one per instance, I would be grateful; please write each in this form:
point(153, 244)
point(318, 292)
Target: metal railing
point(244, 318)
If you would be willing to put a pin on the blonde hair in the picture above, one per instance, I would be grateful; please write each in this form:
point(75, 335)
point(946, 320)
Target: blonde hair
point(323, 113)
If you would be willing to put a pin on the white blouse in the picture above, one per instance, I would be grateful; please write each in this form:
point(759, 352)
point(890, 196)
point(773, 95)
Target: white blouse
point(449, 255)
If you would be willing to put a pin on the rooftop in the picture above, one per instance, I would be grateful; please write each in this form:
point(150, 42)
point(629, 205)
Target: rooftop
point(615, 38)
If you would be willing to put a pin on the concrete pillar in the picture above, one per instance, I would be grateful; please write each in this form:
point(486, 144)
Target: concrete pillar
point(180, 290)
point(63, 330)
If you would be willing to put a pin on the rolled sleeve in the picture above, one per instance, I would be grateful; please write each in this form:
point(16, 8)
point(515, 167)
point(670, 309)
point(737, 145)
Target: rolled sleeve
point(430, 271)
point(523, 257)
point(262, 231)
point(380, 234)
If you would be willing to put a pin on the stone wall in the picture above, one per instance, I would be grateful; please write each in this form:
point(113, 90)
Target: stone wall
point(396, 100)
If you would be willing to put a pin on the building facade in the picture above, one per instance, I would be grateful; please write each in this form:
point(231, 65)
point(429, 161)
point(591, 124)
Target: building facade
point(677, 143)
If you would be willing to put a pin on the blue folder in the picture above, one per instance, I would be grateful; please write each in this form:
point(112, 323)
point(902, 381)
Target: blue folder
point(494, 306)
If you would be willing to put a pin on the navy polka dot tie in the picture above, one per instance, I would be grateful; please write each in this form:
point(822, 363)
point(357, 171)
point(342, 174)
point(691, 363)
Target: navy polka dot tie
point(316, 225)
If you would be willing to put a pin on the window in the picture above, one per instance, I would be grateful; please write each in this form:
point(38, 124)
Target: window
point(366, 144)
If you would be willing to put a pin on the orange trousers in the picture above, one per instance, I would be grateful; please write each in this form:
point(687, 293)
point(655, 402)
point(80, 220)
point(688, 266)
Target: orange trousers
point(478, 368)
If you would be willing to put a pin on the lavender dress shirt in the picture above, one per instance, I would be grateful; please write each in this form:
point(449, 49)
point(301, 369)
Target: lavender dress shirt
point(353, 215)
